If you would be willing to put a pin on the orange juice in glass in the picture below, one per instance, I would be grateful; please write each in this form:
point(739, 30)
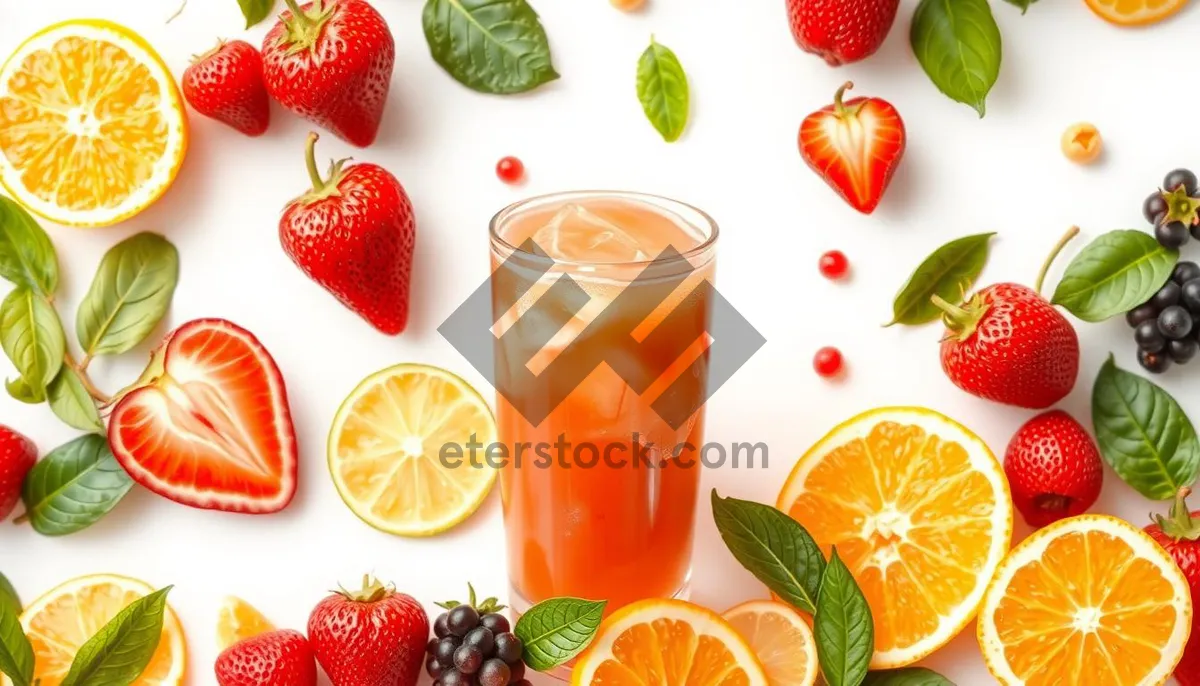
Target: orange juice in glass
point(602, 304)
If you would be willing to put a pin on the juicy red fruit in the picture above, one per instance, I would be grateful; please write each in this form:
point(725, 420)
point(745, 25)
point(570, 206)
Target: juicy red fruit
point(208, 423)
point(1179, 534)
point(828, 362)
point(1053, 469)
point(834, 265)
point(841, 31)
point(226, 84)
point(510, 170)
point(331, 62)
point(17, 456)
point(276, 658)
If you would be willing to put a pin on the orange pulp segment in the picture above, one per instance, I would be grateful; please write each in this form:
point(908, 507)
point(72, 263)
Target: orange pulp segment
point(1135, 12)
point(238, 620)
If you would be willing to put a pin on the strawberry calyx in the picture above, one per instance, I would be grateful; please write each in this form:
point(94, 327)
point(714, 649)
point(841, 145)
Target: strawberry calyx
point(196, 59)
point(303, 29)
point(840, 110)
point(1181, 207)
point(962, 320)
point(322, 187)
point(1179, 524)
point(372, 591)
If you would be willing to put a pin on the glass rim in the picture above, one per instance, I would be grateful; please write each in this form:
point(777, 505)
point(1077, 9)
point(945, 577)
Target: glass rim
point(660, 201)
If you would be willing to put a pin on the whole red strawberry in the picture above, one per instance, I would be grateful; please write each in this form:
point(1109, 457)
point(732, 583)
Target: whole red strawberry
point(1053, 468)
point(276, 658)
point(17, 455)
point(354, 234)
point(226, 84)
point(841, 31)
point(371, 637)
point(331, 63)
point(855, 146)
point(1179, 534)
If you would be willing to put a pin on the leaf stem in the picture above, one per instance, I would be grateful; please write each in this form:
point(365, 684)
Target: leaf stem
point(1062, 243)
point(81, 370)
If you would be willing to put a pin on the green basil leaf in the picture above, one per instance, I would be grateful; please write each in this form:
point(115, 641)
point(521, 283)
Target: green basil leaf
point(843, 627)
point(948, 272)
point(957, 43)
point(1143, 433)
point(129, 295)
point(256, 10)
point(662, 88)
point(1022, 4)
point(22, 390)
point(558, 629)
point(71, 403)
point(490, 46)
point(773, 547)
point(8, 595)
point(27, 256)
point(16, 653)
point(909, 676)
point(118, 653)
point(1114, 274)
point(32, 337)
point(74, 486)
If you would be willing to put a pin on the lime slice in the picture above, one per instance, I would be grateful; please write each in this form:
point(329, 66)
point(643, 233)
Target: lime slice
point(386, 444)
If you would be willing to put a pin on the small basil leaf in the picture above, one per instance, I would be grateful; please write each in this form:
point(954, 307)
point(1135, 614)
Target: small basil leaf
point(8, 595)
point(491, 46)
point(129, 295)
point(948, 272)
point(957, 43)
point(558, 629)
point(27, 256)
point(1114, 274)
point(662, 88)
point(1143, 433)
point(74, 486)
point(773, 547)
point(1022, 4)
point(21, 390)
point(118, 653)
point(71, 403)
point(843, 627)
point(32, 337)
point(16, 653)
point(255, 10)
point(909, 676)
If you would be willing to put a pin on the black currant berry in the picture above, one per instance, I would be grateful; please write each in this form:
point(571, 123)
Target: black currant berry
point(508, 647)
point(495, 622)
point(1166, 296)
point(462, 619)
point(1148, 337)
point(1154, 362)
point(494, 673)
point(468, 659)
point(1183, 350)
point(454, 677)
point(1181, 177)
point(517, 670)
point(1184, 272)
point(481, 637)
point(432, 667)
point(445, 651)
point(1171, 235)
point(1195, 231)
point(440, 627)
point(1154, 207)
point(1141, 313)
point(1174, 322)
point(1189, 296)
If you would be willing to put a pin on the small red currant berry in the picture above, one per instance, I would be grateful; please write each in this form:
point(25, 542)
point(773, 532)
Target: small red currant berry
point(828, 362)
point(510, 170)
point(834, 265)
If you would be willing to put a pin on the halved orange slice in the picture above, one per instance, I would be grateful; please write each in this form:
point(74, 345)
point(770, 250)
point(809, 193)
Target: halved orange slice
point(661, 642)
point(1135, 12)
point(1087, 601)
point(920, 512)
point(92, 129)
point(238, 620)
point(63, 619)
point(780, 638)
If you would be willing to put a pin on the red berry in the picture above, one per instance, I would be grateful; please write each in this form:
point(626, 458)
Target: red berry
point(828, 361)
point(1053, 468)
point(510, 170)
point(834, 265)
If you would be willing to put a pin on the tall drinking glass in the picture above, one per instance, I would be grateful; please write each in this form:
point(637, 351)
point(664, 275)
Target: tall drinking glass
point(602, 304)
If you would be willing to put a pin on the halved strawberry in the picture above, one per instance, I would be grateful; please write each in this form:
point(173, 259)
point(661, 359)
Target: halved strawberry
point(855, 146)
point(208, 424)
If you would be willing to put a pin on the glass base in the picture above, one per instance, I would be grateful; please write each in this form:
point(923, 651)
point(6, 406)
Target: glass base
point(519, 604)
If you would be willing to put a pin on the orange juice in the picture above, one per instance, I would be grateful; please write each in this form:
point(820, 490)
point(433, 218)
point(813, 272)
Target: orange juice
point(601, 383)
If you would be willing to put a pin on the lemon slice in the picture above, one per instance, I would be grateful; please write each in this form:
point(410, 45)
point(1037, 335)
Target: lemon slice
point(92, 128)
point(386, 450)
point(238, 620)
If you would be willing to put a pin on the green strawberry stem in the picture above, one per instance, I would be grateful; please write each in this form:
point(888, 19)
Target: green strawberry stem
point(321, 187)
point(961, 320)
point(1179, 524)
point(839, 108)
point(310, 161)
point(1054, 252)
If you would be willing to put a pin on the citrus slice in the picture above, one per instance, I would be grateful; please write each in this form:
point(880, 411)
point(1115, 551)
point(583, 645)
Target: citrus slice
point(64, 618)
point(660, 642)
point(238, 620)
point(780, 638)
point(92, 129)
point(1087, 601)
point(920, 512)
point(399, 455)
point(1135, 12)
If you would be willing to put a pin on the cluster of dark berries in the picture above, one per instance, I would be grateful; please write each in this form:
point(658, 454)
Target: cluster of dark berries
point(475, 647)
point(1173, 209)
point(1167, 326)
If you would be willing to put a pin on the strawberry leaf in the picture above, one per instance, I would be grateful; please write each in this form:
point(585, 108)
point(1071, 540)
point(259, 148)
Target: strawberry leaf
point(948, 272)
point(957, 43)
point(490, 46)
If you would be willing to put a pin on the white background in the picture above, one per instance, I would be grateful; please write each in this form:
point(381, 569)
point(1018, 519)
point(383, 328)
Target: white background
point(751, 86)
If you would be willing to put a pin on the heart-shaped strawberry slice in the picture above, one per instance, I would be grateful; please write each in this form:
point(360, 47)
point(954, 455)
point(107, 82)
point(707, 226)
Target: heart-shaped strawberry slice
point(208, 423)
